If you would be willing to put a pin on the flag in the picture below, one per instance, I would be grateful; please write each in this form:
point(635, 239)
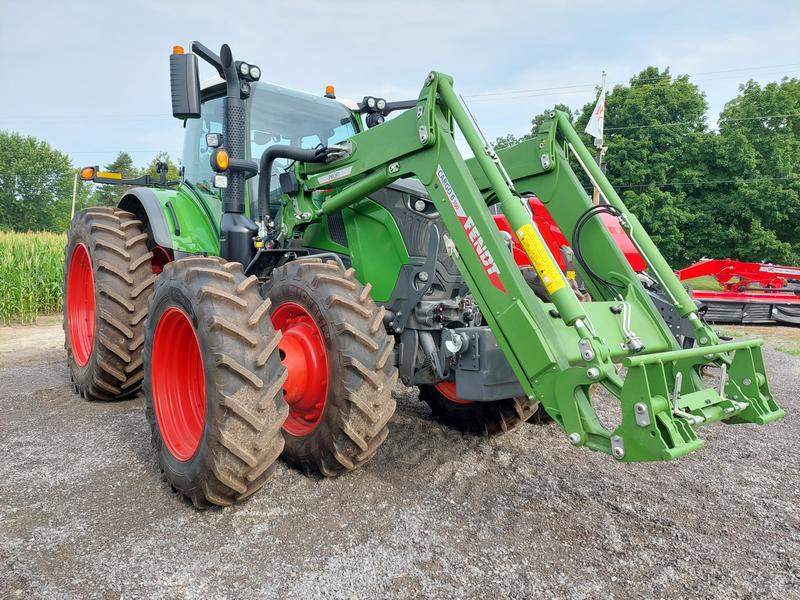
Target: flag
point(595, 125)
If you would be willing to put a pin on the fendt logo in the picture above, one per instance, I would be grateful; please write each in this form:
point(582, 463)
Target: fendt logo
point(475, 237)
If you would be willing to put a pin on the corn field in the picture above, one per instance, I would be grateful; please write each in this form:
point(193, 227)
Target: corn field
point(30, 275)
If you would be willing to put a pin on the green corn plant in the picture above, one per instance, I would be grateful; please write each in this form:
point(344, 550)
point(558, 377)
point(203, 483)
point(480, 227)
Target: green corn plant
point(30, 275)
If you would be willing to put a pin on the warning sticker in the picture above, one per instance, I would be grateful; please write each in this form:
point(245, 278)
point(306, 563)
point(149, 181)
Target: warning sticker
point(548, 271)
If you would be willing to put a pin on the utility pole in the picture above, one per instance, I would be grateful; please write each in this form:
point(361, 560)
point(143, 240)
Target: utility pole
point(74, 194)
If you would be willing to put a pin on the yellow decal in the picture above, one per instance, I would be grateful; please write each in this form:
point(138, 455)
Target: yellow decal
point(109, 175)
point(548, 270)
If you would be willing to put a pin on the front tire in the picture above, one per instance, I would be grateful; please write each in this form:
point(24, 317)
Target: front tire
point(107, 280)
point(341, 372)
point(213, 381)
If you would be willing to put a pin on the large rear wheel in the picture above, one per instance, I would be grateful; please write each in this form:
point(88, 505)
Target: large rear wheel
point(470, 416)
point(108, 278)
point(213, 381)
point(340, 372)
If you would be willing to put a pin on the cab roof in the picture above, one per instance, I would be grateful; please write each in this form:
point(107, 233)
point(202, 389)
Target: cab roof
point(212, 83)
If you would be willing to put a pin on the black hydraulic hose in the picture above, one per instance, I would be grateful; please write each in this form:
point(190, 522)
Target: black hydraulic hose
point(314, 155)
point(610, 287)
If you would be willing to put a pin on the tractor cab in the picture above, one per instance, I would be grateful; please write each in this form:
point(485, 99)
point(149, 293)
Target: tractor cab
point(274, 115)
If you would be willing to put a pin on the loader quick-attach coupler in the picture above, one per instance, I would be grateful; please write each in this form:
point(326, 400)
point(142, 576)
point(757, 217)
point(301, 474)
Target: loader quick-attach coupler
point(664, 399)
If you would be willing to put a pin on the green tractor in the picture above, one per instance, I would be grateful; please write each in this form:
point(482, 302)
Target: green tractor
point(315, 251)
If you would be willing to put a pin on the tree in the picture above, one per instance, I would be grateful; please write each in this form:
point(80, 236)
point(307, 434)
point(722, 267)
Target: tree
point(758, 156)
point(655, 129)
point(35, 184)
point(506, 141)
point(735, 193)
point(109, 195)
point(173, 172)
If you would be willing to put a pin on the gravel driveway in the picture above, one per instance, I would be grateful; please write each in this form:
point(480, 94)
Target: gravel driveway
point(84, 512)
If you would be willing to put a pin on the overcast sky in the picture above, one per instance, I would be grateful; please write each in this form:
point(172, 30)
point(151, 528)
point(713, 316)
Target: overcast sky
point(91, 78)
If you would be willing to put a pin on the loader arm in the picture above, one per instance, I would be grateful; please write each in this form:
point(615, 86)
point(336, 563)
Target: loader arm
point(557, 350)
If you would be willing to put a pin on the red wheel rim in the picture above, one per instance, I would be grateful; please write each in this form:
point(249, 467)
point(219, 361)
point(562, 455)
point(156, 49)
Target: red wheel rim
point(448, 390)
point(80, 304)
point(178, 384)
point(160, 258)
point(306, 359)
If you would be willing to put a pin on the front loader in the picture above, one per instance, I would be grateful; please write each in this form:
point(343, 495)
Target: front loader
point(316, 250)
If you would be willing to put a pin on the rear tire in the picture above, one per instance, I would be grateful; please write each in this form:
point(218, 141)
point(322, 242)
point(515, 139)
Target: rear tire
point(341, 427)
point(107, 281)
point(478, 418)
point(214, 400)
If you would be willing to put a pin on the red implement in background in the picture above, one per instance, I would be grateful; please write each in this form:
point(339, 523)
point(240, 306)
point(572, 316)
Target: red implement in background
point(751, 292)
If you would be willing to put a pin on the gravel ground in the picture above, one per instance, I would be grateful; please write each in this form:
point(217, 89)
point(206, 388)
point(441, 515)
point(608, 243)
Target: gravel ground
point(84, 512)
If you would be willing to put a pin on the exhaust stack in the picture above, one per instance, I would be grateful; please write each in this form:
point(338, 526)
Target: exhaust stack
point(236, 231)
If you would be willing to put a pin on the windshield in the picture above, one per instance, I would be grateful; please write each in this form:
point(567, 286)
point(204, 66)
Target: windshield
point(276, 116)
point(283, 116)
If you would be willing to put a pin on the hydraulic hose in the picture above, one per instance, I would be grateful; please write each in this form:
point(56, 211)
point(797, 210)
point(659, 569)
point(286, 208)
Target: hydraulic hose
point(314, 155)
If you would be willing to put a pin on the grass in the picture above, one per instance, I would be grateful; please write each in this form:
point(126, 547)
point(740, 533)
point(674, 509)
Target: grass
point(792, 351)
point(784, 338)
point(705, 283)
point(30, 275)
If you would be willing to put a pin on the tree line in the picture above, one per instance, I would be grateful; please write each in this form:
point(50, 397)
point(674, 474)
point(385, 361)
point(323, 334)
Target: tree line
point(728, 189)
point(36, 183)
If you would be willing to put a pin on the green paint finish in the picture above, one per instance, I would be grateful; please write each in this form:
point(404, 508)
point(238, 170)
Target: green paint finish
point(371, 232)
point(318, 236)
point(198, 217)
point(377, 249)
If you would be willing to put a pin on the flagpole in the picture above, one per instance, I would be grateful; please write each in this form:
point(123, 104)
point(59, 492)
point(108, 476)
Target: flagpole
point(598, 144)
point(74, 194)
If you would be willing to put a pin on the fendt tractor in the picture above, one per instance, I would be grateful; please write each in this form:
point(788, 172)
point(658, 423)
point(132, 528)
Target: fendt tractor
point(315, 250)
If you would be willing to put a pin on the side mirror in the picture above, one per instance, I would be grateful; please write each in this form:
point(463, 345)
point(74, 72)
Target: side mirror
point(184, 84)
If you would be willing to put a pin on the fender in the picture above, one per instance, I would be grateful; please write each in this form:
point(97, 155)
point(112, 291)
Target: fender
point(176, 219)
point(144, 204)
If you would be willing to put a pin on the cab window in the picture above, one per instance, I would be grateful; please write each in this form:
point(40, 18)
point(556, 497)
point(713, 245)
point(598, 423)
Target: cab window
point(283, 116)
point(196, 155)
point(276, 116)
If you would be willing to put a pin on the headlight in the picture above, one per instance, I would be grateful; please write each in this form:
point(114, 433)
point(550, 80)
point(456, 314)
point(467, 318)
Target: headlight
point(255, 73)
point(380, 103)
point(213, 140)
point(220, 181)
point(244, 69)
point(370, 102)
point(374, 119)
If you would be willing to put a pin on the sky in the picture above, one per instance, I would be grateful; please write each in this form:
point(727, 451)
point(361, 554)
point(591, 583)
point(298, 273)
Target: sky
point(92, 78)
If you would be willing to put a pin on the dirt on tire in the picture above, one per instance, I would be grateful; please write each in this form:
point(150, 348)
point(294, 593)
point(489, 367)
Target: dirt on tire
point(359, 403)
point(479, 418)
point(123, 282)
point(244, 407)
